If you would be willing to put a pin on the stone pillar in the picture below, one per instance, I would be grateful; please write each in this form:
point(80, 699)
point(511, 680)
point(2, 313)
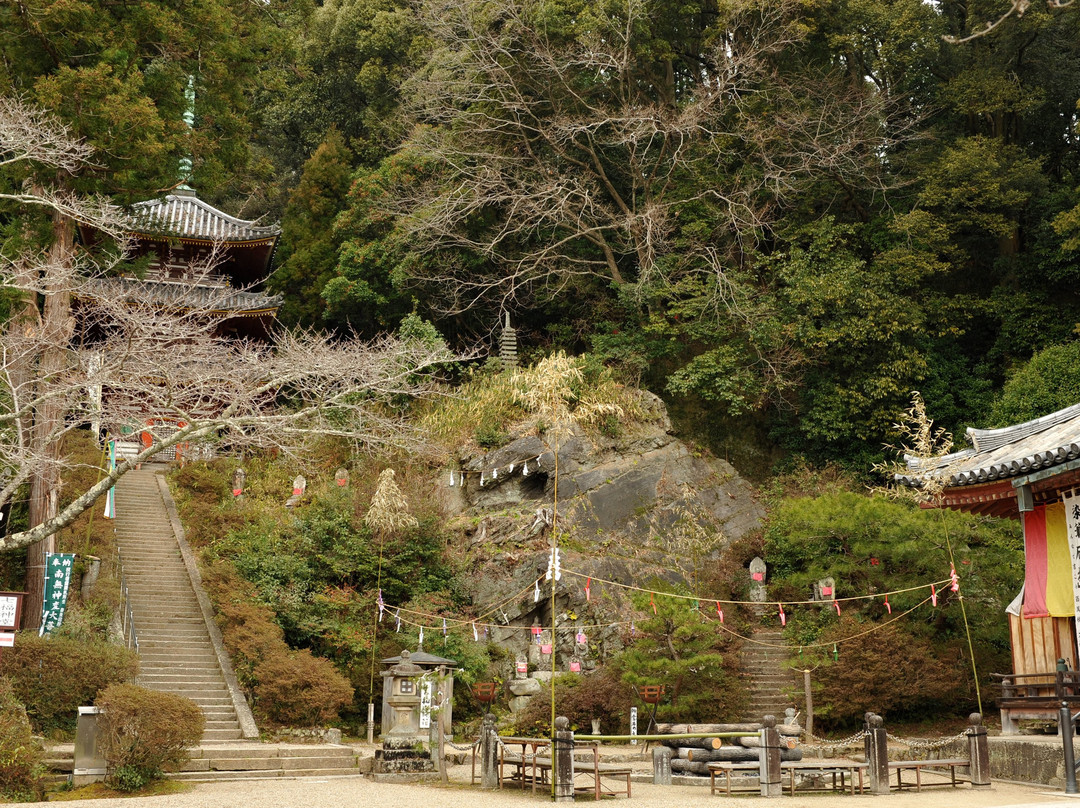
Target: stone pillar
point(769, 776)
point(489, 753)
point(877, 754)
point(661, 766)
point(978, 752)
point(562, 762)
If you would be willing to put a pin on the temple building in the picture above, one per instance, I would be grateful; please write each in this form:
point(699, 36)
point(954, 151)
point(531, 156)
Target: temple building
point(1029, 472)
point(202, 258)
point(194, 258)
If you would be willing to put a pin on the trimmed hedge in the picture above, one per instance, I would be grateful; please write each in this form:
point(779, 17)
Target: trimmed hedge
point(301, 690)
point(20, 756)
point(142, 732)
point(54, 676)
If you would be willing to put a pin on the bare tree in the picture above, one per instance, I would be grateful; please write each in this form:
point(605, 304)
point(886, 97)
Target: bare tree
point(159, 368)
point(557, 156)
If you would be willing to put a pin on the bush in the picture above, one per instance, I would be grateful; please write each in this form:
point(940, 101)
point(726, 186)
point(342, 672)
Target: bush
point(54, 676)
point(581, 698)
point(142, 732)
point(889, 672)
point(20, 756)
point(300, 690)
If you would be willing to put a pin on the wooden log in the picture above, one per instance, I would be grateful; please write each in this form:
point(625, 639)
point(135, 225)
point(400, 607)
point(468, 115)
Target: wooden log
point(751, 742)
point(677, 729)
point(694, 743)
point(688, 767)
point(701, 755)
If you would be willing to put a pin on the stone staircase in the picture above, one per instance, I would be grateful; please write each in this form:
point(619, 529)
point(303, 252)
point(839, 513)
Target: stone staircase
point(177, 655)
point(769, 679)
point(257, 761)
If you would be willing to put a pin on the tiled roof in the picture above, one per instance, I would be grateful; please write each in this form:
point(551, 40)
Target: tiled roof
point(213, 299)
point(184, 215)
point(999, 454)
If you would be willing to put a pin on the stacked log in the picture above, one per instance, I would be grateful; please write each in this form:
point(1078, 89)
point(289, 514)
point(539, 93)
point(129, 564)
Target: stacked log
point(692, 755)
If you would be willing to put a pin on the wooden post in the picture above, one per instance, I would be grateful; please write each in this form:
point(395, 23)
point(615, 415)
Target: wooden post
point(809, 703)
point(440, 722)
point(489, 754)
point(978, 752)
point(562, 760)
point(769, 757)
point(661, 766)
point(877, 754)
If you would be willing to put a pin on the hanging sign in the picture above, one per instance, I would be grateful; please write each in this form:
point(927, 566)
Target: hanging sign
point(10, 610)
point(57, 581)
point(425, 703)
point(1072, 529)
point(633, 724)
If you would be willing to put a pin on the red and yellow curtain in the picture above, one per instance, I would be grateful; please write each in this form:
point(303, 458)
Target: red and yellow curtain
point(1048, 588)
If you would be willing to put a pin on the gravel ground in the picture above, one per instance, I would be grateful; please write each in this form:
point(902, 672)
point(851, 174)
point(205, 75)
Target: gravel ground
point(351, 792)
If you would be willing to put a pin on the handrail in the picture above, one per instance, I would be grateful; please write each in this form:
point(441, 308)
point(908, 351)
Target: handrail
point(127, 618)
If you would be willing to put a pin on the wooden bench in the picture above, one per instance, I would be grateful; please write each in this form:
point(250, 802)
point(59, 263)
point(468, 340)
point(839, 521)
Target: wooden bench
point(532, 766)
point(842, 768)
point(918, 765)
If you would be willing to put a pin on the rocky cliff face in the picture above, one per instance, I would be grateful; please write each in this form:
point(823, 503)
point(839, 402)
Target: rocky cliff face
point(631, 505)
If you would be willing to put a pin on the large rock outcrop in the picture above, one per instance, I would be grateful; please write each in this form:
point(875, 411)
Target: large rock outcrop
point(631, 506)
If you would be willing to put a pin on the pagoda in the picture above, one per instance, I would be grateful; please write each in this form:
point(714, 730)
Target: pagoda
point(203, 259)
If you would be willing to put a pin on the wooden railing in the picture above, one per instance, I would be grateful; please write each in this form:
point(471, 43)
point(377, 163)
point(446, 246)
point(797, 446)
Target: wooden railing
point(1040, 687)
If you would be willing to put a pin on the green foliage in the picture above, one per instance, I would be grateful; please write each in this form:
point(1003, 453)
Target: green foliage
point(889, 672)
point(142, 733)
point(308, 252)
point(873, 544)
point(582, 697)
point(20, 755)
point(54, 676)
point(300, 690)
point(679, 648)
point(1048, 382)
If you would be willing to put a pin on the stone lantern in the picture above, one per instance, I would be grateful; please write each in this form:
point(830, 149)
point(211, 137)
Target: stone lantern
point(427, 666)
point(401, 701)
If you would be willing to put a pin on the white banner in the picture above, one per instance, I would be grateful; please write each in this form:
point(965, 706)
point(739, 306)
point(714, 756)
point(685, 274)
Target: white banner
point(7, 639)
point(633, 723)
point(426, 686)
point(1072, 529)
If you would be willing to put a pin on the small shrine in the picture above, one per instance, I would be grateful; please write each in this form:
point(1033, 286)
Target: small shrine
point(417, 694)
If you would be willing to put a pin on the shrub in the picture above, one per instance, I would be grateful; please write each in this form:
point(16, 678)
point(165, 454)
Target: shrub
point(53, 676)
point(142, 732)
point(20, 756)
point(298, 689)
point(891, 673)
point(581, 697)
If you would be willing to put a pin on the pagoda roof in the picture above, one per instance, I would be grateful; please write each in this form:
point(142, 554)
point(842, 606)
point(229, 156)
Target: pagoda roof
point(1000, 454)
point(214, 299)
point(184, 215)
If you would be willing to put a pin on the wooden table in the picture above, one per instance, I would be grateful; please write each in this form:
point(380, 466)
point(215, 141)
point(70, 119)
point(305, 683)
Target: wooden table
point(842, 768)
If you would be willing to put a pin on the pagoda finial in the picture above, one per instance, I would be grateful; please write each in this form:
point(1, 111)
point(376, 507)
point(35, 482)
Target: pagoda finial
point(189, 118)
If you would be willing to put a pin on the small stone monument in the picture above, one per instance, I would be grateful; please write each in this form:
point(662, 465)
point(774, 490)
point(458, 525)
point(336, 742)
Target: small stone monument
point(757, 580)
point(825, 589)
point(341, 478)
point(299, 486)
point(238, 479)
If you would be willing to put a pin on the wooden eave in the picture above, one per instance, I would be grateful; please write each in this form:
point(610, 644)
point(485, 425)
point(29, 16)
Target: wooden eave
point(990, 499)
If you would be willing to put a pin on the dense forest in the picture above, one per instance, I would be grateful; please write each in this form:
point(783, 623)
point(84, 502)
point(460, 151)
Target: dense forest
point(783, 217)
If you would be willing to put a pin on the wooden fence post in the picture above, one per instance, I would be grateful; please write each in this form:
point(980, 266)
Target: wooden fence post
point(978, 752)
point(489, 753)
point(562, 760)
point(769, 756)
point(877, 754)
